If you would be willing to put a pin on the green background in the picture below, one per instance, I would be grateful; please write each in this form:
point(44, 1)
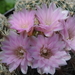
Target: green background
point(6, 5)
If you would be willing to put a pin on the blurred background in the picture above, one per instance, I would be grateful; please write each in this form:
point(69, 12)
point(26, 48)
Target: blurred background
point(5, 5)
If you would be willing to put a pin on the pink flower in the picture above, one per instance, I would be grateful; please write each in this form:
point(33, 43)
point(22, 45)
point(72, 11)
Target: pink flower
point(15, 52)
point(68, 33)
point(48, 53)
point(49, 18)
point(22, 20)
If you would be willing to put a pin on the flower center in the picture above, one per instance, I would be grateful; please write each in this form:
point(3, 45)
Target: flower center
point(47, 22)
point(19, 52)
point(46, 53)
point(25, 25)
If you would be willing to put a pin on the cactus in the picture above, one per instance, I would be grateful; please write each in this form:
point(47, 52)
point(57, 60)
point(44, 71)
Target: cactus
point(29, 4)
point(3, 21)
point(4, 70)
point(3, 27)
